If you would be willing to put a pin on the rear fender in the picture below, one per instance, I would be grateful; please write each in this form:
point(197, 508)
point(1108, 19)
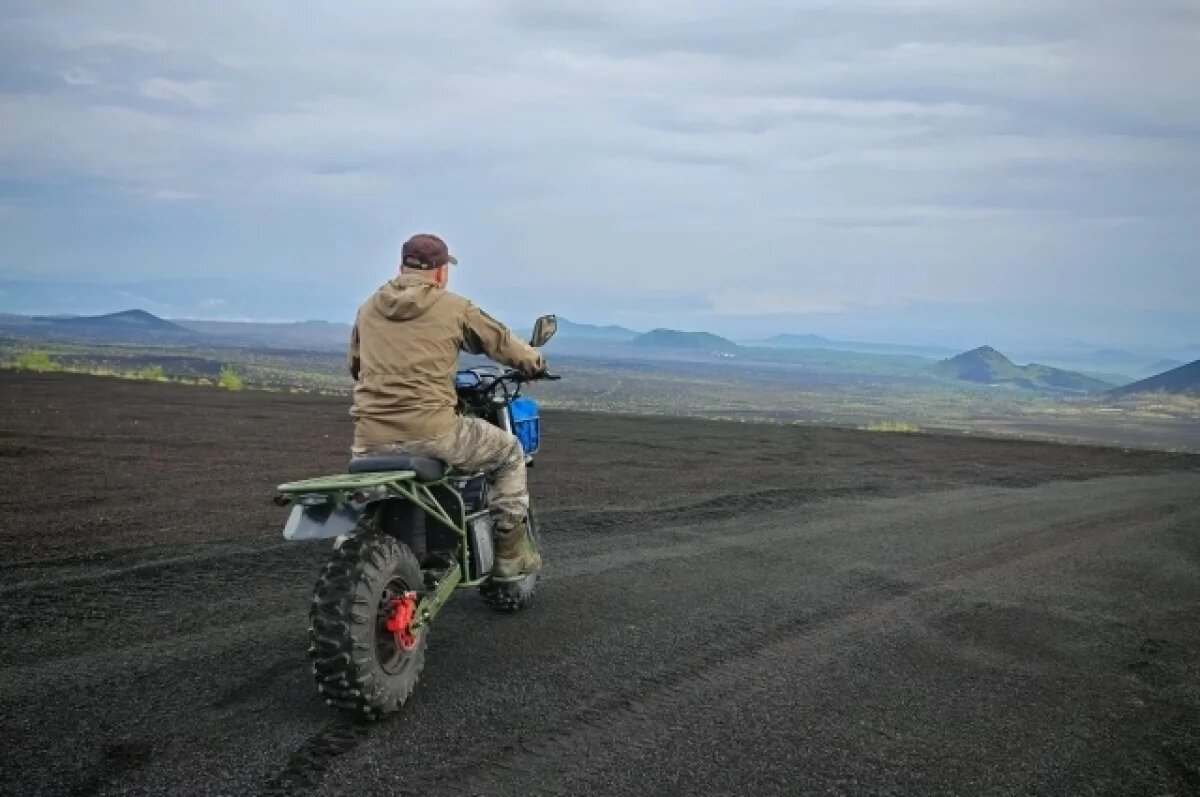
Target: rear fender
point(332, 506)
point(322, 522)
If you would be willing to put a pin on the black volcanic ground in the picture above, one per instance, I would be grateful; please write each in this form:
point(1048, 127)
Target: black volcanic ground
point(727, 609)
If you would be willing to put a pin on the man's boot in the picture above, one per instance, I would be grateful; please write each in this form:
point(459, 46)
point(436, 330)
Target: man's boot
point(515, 557)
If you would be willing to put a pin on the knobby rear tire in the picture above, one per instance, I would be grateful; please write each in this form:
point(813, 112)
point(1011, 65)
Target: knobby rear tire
point(344, 633)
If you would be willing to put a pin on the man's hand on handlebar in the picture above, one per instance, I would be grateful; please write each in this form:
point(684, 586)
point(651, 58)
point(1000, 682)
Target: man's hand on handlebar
point(538, 370)
point(533, 375)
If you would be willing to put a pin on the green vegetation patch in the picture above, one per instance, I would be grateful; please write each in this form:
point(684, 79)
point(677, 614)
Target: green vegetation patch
point(893, 426)
point(152, 373)
point(36, 360)
point(230, 380)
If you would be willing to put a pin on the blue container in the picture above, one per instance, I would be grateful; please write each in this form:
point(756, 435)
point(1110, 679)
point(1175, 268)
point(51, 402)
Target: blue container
point(526, 423)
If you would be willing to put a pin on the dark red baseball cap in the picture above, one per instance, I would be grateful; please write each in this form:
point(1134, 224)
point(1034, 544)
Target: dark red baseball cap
point(425, 251)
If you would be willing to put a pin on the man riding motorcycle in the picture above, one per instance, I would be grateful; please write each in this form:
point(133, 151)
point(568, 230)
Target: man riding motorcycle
point(403, 355)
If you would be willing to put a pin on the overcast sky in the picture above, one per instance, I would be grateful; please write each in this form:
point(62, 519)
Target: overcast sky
point(841, 166)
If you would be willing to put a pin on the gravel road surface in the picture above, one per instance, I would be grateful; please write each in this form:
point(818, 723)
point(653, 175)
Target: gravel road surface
point(726, 609)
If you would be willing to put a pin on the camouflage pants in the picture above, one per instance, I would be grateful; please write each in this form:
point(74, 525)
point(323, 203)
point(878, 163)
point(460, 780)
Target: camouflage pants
point(476, 445)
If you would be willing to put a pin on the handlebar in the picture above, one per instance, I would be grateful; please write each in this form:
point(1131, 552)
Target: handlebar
point(489, 381)
point(518, 376)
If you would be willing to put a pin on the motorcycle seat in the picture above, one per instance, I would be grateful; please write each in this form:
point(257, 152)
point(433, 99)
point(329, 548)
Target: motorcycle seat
point(427, 470)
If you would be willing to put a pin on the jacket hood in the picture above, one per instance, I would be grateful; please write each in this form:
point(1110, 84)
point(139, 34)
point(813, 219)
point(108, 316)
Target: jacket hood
point(406, 297)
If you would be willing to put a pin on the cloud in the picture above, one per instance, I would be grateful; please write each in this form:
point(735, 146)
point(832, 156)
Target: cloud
point(78, 76)
point(126, 40)
point(197, 93)
point(750, 303)
point(174, 195)
point(999, 146)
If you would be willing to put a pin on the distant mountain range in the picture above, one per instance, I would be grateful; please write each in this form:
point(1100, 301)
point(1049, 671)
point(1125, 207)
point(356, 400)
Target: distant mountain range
point(129, 325)
point(315, 335)
point(1184, 380)
point(984, 365)
point(809, 341)
point(140, 326)
point(573, 336)
point(685, 341)
point(1114, 365)
point(1162, 366)
point(987, 366)
point(323, 335)
point(569, 330)
point(138, 320)
point(244, 297)
point(1125, 361)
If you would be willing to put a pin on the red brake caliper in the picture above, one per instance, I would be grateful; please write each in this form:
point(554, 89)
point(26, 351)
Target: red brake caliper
point(403, 610)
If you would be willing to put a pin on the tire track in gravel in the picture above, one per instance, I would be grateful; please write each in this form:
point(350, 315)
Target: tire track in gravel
point(306, 767)
point(772, 526)
point(1168, 672)
point(92, 669)
point(871, 596)
point(754, 662)
point(127, 564)
point(1179, 750)
point(82, 670)
point(153, 601)
point(120, 564)
point(705, 510)
point(110, 590)
point(183, 684)
point(696, 544)
point(253, 684)
point(118, 761)
point(717, 507)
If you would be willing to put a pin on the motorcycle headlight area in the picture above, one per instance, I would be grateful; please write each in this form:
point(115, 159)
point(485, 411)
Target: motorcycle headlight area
point(466, 380)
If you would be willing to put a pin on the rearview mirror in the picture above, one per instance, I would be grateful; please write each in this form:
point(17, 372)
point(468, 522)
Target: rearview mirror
point(543, 330)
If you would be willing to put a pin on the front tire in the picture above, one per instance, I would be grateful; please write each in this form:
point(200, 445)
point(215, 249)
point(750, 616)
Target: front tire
point(510, 597)
point(359, 665)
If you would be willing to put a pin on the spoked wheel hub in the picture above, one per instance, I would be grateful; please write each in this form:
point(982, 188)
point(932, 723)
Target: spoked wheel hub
point(394, 639)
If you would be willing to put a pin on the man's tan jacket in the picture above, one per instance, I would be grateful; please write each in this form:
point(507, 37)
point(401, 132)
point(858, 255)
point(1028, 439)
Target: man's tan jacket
point(404, 353)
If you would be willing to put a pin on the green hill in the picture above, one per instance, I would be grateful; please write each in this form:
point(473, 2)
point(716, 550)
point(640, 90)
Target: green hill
point(1161, 367)
point(987, 366)
point(685, 341)
point(571, 330)
point(136, 326)
point(126, 320)
point(1183, 380)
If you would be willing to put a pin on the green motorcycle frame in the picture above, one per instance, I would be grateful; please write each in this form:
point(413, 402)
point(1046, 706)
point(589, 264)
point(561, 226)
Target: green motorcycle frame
point(404, 541)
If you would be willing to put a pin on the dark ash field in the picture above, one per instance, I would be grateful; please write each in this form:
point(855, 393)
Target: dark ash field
point(727, 609)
